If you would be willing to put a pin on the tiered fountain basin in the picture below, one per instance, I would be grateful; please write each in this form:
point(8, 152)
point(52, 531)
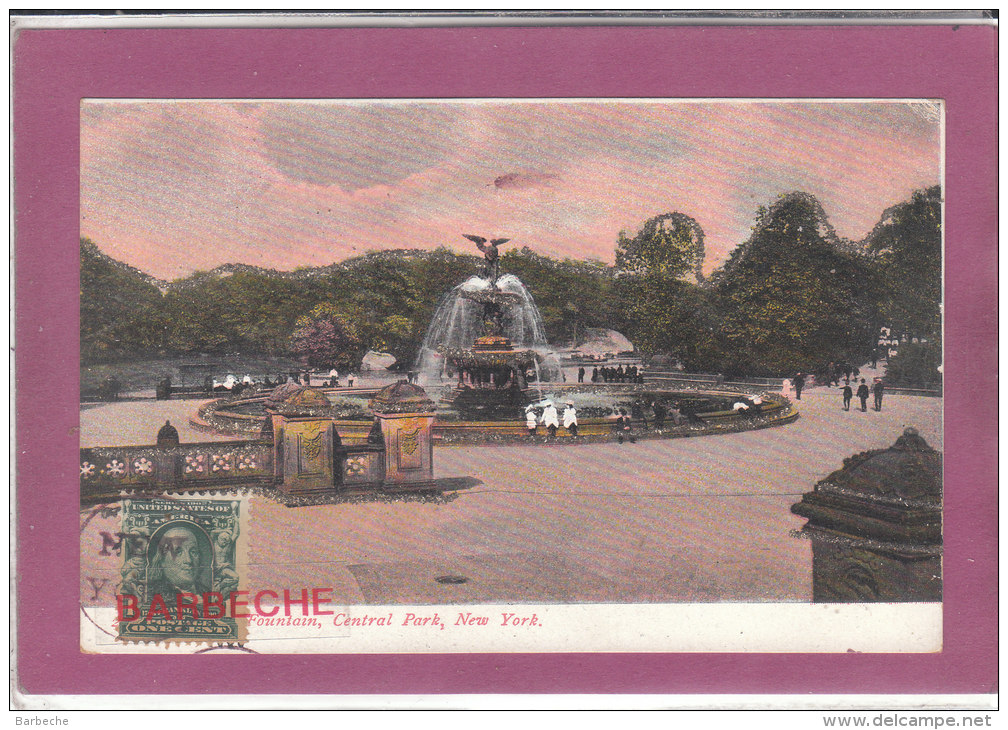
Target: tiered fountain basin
point(706, 413)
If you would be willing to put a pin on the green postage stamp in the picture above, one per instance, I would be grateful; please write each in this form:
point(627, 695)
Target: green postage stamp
point(179, 570)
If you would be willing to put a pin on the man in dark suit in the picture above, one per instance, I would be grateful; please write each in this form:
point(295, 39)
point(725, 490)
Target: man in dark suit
point(877, 390)
point(862, 394)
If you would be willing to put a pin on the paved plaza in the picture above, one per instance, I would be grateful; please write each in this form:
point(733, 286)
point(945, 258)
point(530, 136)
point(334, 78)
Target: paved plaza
point(662, 520)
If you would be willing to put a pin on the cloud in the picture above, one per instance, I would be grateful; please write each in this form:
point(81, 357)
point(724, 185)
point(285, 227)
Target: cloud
point(513, 180)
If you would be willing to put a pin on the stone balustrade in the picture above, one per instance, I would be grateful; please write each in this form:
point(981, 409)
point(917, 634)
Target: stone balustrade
point(107, 471)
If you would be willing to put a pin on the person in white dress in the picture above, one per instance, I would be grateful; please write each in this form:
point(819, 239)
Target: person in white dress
point(570, 419)
point(531, 420)
point(550, 418)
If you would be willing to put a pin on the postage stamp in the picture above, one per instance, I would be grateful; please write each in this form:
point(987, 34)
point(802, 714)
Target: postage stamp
point(179, 570)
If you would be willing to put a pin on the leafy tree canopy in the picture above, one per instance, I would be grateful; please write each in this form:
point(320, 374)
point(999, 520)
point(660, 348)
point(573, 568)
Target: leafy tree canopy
point(670, 245)
point(118, 306)
point(791, 298)
point(905, 249)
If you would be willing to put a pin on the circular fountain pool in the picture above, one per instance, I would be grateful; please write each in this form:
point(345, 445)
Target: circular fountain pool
point(701, 412)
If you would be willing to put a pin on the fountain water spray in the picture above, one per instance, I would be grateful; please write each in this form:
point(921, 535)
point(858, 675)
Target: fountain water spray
point(459, 320)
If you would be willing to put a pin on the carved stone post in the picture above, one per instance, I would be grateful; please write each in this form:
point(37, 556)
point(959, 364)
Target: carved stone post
point(305, 440)
point(876, 526)
point(406, 415)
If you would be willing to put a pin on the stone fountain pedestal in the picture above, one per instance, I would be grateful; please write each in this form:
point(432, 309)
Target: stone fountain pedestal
point(406, 417)
point(304, 441)
point(876, 526)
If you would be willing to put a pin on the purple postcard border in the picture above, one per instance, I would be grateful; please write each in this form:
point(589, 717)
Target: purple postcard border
point(54, 69)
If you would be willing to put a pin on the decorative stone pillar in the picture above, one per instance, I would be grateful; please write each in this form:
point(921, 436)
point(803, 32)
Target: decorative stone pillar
point(406, 415)
point(876, 526)
point(304, 440)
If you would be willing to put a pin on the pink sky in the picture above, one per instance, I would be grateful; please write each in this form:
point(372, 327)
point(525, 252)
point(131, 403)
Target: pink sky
point(171, 187)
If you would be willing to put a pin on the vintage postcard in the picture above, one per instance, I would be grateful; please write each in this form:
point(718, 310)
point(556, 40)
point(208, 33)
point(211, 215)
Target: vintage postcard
point(461, 372)
point(512, 375)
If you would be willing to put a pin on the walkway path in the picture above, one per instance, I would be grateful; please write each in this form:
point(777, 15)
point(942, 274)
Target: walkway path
point(694, 519)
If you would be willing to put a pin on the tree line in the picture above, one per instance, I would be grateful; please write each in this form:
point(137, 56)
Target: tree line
point(793, 296)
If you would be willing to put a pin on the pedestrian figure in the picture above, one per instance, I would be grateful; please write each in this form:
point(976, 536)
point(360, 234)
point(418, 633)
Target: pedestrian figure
point(877, 390)
point(531, 420)
point(659, 415)
point(862, 394)
point(831, 374)
point(637, 411)
point(570, 419)
point(350, 378)
point(550, 418)
point(620, 374)
point(799, 383)
point(626, 430)
point(581, 374)
point(595, 375)
point(676, 413)
point(848, 393)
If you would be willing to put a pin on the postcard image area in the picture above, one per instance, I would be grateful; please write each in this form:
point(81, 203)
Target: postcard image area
point(476, 377)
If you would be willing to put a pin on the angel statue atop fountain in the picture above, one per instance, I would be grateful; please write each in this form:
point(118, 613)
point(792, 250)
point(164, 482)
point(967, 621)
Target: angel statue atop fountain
point(491, 269)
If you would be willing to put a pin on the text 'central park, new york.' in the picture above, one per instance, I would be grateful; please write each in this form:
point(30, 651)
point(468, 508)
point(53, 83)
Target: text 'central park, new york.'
point(472, 419)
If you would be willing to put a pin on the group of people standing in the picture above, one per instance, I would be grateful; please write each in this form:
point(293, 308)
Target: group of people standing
point(863, 392)
point(842, 370)
point(848, 373)
point(618, 374)
point(623, 423)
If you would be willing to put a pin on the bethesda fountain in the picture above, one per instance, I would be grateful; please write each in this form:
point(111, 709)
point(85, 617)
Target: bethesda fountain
point(485, 357)
point(486, 343)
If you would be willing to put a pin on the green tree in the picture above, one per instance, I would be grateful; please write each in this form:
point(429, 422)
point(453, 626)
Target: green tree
point(792, 297)
point(398, 338)
point(119, 308)
point(662, 314)
point(670, 245)
point(905, 249)
point(194, 320)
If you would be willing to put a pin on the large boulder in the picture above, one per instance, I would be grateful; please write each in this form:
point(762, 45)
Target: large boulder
point(600, 342)
point(377, 361)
